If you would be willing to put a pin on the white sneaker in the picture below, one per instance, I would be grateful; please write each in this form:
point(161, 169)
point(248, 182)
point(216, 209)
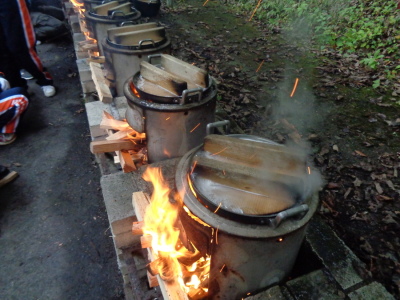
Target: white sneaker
point(49, 90)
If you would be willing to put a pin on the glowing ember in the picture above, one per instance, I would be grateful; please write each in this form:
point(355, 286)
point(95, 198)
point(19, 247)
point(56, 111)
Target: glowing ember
point(134, 90)
point(173, 261)
point(294, 87)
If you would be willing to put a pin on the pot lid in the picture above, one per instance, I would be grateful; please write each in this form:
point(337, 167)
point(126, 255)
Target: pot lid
point(245, 177)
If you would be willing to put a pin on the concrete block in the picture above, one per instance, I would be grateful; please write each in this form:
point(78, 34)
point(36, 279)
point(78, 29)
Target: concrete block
point(117, 193)
point(78, 37)
point(82, 54)
point(84, 69)
point(88, 86)
point(274, 293)
point(94, 112)
point(74, 23)
point(121, 105)
point(334, 254)
point(315, 285)
point(373, 291)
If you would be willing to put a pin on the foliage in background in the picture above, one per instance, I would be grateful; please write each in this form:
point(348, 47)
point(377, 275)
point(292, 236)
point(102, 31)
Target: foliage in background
point(368, 27)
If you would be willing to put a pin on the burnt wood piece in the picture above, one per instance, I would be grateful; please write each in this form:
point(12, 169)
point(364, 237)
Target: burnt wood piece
point(131, 28)
point(133, 38)
point(171, 291)
point(181, 69)
point(102, 9)
point(162, 78)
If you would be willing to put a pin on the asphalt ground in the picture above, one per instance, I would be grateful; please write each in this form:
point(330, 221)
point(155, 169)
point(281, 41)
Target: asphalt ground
point(55, 241)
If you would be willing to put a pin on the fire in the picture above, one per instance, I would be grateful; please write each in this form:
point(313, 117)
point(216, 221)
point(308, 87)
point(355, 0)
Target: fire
point(76, 3)
point(134, 90)
point(88, 38)
point(173, 262)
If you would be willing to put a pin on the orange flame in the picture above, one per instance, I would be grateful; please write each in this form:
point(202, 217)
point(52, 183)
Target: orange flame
point(159, 221)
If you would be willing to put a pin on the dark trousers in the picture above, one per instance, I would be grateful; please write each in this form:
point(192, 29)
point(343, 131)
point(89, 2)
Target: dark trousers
point(17, 45)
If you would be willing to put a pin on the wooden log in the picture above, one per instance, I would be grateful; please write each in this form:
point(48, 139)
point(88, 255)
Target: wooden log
point(146, 240)
point(126, 161)
point(137, 228)
point(162, 78)
point(133, 38)
point(184, 70)
point(98, 78)
point(124, 8)
point(171, 291)
point(103, 8)
point(103, 146)
point(152, 279)
point(131, 28)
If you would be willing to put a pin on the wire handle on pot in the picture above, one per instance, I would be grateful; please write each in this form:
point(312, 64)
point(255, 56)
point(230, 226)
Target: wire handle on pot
point(150, 57)
point(185, 94)
point(146, 40)
point(117, 12)
point(210, 126)
point(291, 212)
point(126, 23)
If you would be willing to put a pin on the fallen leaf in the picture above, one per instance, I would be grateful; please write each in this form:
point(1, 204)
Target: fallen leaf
point(357, 182)
point(360, 153)
point(383, 198)
point(335, 148)
point(378, 188)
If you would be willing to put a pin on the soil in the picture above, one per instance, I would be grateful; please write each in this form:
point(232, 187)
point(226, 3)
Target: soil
point(350, 131)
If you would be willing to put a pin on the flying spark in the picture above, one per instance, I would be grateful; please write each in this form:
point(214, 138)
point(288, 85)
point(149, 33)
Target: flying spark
point(252, 15)
point(259, 67)
point(195, 127)
point(294, 88)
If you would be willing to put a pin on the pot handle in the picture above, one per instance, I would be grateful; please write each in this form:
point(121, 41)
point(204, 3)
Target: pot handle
point(117, 12)
point(291, 212)
point(185, 94)
point(150, 57)
point(210, 126)
point(146, 40)
point(126, 23)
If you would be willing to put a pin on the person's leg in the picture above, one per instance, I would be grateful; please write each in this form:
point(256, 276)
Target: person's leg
point(13, 103)
point(20, 39)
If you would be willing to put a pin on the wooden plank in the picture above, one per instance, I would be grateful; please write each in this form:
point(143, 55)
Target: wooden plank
point(153, 282)
point(98, 78)
point(170, 291)
point(103, 146)
point(184, 70)
point(103, 8)
point(124, 8)
point(137, 228)
point(126, 161)
point(145, 241)
point(133, 38)
point(162, 78)
point(130, 28)
point(274, 158)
